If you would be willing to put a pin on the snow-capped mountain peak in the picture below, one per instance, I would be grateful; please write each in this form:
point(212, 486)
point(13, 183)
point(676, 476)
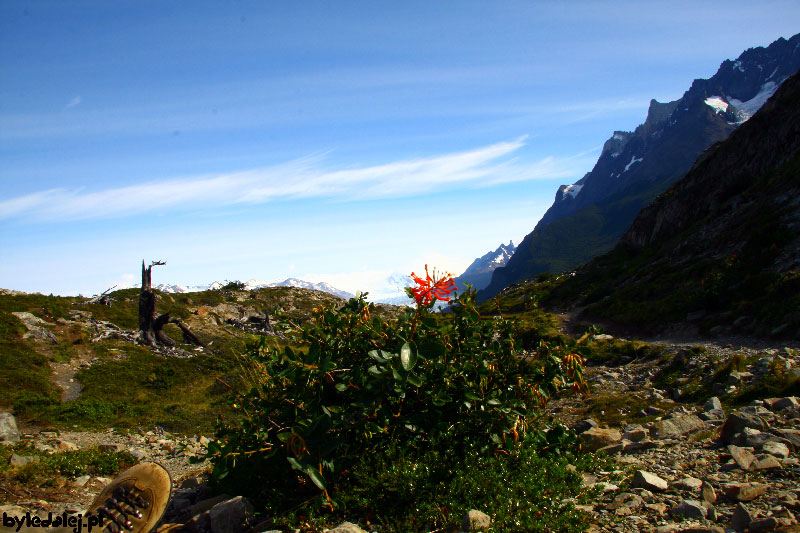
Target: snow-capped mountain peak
point(256, 284)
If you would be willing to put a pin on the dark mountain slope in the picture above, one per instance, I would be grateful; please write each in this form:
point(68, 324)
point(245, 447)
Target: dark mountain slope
point(589, 217)
point(721, 247)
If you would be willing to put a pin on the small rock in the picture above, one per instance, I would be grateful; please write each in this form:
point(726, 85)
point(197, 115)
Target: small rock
point(673, 427)
point(635, 435)
point(627, 499)
point(744, 492)
point(475, 520)
point(137, 453)
point(763, 524)
point(22, 460)
point(737, 421)
point(81, 481)
point(744, 458)
point(688, 483)
point(66, 446)
point(346, 527)
point(709, 494)
point(776, 449)
point(767, 462)
point(230, 516)
point(690, 509)
point(649, 481)
point(741, 517)
point(786, 403)
point(658, 508)
point(8, 429)
point(584, 425)
point(596, 438)
point(112, 448)
point(712, 404)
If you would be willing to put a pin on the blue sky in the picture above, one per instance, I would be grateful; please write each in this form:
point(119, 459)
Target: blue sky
point(330, 141)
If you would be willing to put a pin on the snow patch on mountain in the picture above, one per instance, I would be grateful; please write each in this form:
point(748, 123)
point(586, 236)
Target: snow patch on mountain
point(634, 160)
point(749, 108)
point(718, 104)
point(574, 189)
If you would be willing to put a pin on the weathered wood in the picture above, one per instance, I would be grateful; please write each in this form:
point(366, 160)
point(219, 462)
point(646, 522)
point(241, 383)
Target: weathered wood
point(152, 325)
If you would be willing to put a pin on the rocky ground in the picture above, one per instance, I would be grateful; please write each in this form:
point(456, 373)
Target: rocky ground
point(695, 467)
point(682, 466)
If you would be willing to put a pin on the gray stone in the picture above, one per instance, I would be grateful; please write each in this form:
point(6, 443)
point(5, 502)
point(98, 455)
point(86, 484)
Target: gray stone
point(649, 481)
point(8, 429)
point(475, 520)
point(764, 524)
point(688, 483)
point(786, 403)
point(735, 378)
point(744, 458)
point(712, 404)
point(690, 509)
point(737, 421)
point(635, 435)
point(674, 427)
point(113, 448)
point(767, 462)
point(741, 517)
point(584, 425)
point(34, 326)
point(230, 516)
point(22, 460)
point(137, 453)
point(790, 437)
point(709, 494)
point(752, 438)
point(643, 446)
point(81, 481)
point(777, 449)
point(627, 499)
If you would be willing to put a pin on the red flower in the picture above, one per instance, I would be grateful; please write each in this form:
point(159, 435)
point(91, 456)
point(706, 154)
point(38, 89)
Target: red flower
point(430, 288)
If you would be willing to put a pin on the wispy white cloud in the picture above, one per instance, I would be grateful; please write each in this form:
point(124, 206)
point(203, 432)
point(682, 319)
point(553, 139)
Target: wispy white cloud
point(74, 102)
point(303, 178)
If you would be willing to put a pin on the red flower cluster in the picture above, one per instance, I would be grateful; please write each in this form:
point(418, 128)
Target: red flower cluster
point(430, 288)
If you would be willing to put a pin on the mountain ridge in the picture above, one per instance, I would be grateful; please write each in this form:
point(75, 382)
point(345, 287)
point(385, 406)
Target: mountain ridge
point(588, 217)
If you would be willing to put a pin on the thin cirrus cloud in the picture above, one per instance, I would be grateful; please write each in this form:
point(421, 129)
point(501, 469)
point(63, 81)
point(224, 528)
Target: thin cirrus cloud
point(303, 178)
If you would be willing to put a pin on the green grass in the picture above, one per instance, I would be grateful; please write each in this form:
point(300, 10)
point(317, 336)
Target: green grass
point(50, 467)
point(25, 371)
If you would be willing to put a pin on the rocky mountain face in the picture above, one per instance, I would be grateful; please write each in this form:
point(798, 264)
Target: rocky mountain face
point(479, 273)
point(720, 248)
point(588, 217)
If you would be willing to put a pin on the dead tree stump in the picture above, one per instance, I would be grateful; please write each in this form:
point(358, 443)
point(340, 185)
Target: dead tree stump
point(152, 325)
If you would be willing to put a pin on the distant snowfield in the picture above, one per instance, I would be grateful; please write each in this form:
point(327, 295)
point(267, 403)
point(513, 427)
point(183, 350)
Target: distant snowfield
point(750, 107)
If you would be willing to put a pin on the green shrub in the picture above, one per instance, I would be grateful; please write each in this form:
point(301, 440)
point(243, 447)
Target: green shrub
point(447, 388)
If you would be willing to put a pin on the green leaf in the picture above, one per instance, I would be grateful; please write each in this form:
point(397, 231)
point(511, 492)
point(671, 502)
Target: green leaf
point(295, 464)
point(315, 476)
point(408, 356)
point(377, 355)
point(414, 380)
point(341, 387)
